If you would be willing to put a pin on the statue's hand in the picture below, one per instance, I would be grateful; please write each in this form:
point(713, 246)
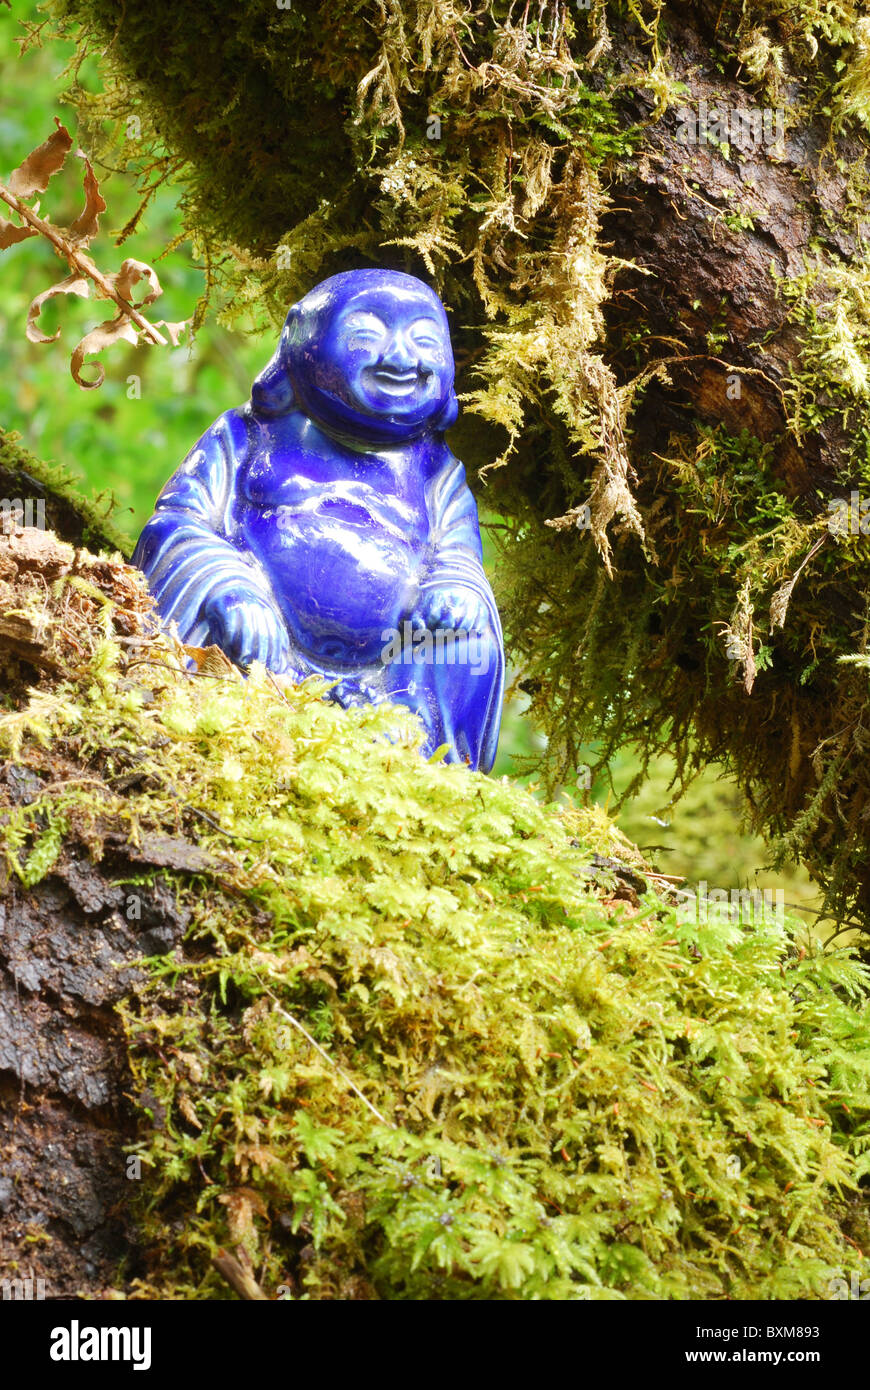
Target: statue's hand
point(247, 629)
point(457, 607)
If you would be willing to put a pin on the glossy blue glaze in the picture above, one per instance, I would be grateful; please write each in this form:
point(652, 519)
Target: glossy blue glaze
point(326, 528)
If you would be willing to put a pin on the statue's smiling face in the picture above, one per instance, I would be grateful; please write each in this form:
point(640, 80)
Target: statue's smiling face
point(387, 355)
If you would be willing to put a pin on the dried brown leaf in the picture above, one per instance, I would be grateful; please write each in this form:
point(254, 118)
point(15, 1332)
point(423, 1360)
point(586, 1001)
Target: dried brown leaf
point(241, 1204)
point(173, 330)
point(10, 234)
point(185, 1105)
point(87, 224)
point(33, 175)
point(780, 601)
point(103, 336)
point(211, 661)
point(73, 284)
point(130, 274)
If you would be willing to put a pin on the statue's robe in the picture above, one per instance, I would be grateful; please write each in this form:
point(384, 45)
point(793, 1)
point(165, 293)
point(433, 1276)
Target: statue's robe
point(344, 545)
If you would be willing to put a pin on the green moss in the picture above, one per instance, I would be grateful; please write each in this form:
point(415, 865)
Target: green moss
point(791, 600)
point(831, 301)
point(417, 1045)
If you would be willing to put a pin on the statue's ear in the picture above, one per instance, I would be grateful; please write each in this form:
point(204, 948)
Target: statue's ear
point(272, 391)
point(448, 414)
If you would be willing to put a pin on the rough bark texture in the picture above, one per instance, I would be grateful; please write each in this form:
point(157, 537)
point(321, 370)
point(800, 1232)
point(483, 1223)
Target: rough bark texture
point(668, 217)
point(67, 942)
point(65, 953)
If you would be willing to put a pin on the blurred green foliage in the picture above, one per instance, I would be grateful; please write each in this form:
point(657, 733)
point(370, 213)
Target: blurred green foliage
point(117, 441)
point(700, 838)
point(127, 437)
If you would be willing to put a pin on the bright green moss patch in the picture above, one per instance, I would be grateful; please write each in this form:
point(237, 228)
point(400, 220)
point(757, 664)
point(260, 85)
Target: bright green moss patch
point(420, 1042)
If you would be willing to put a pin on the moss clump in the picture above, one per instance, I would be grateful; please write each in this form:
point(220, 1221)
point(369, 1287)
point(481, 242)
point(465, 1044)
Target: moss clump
point(26, 477)
point(752, 610)
point(426, 1038)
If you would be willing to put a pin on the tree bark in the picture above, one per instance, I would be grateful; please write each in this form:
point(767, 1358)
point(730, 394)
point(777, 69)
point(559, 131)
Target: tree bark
point(705, 277)
point(66, 1182)
point(68, 943)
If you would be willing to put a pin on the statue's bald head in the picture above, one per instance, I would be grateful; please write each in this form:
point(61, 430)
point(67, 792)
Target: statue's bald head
point(365, 352)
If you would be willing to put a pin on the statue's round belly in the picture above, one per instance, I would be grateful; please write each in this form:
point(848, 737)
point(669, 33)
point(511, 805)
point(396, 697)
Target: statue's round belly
point(339, 587)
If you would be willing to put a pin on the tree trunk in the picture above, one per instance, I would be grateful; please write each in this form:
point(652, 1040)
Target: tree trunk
point(66, 1183)
point(709, 278)
point(66, 947)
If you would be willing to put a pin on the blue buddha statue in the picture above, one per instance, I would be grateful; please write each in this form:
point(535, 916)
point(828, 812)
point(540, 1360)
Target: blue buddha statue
point(325, 528)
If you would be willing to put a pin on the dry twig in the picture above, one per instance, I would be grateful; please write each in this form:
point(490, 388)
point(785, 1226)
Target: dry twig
point(31, 179)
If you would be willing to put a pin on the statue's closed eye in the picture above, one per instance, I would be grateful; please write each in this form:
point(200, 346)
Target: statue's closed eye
point(365, 328)
point(424, 334)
